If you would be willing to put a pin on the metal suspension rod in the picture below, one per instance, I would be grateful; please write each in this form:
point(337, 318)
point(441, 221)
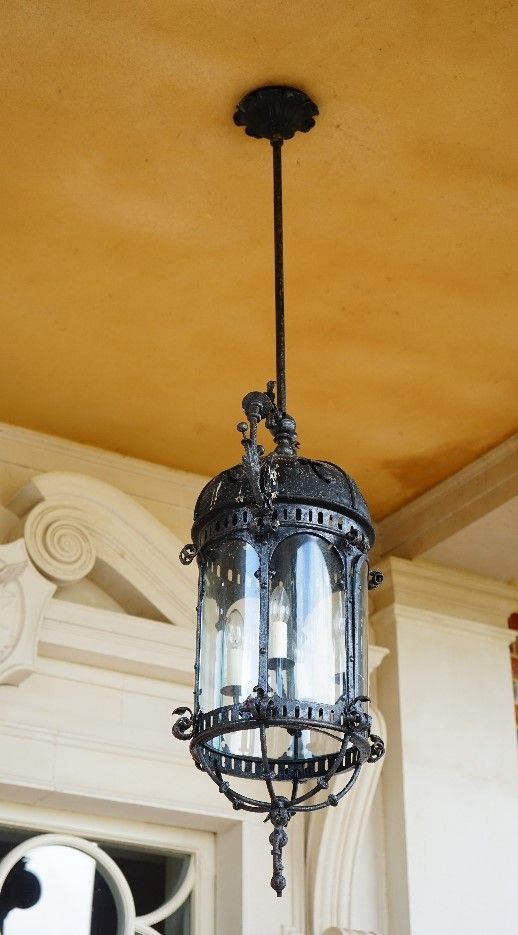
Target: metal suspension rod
point(280, 351)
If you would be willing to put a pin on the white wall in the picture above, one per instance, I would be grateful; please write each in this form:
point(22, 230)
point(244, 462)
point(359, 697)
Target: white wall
point(450, 782)
point(85, 719)
point(87, 731)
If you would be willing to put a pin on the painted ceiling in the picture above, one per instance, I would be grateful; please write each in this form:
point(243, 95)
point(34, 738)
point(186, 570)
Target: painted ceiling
point(137, 298)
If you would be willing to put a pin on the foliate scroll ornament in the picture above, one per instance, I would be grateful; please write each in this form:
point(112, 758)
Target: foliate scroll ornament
point(183, 727)
point(260, 705)
point(11, 606)
point(58, 542)
point(188, 554)
point(23, 596)
point(370, 747)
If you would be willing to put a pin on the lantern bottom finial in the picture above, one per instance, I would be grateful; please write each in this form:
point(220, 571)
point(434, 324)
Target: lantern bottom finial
point(280, 814)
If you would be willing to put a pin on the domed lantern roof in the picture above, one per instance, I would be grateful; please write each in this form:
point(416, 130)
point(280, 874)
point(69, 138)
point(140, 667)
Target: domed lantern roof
point(327, 496)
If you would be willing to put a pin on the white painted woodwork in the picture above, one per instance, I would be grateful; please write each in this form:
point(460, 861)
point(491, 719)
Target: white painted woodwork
point(24, 594)
point(69, 826)
point(450, 779)
point(85, 725)
point(76, 526)
point(456, 503)
point(345, 871)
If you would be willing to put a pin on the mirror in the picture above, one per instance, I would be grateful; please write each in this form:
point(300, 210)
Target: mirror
point(58, 890)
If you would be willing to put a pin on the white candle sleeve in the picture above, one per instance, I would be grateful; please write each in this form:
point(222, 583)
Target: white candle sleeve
point(278, 641)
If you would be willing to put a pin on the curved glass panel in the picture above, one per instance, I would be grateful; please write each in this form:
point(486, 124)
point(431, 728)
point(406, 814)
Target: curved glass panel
point(307, 641)
point(361, 620)
point(229, 647)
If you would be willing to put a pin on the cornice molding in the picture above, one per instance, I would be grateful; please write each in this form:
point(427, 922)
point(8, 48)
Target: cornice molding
point(404, 614)
point(39, 452)
point(119, 642)
point(480, 487)
point(75, 526)
point(111, 772)
point(123, 643)
point(445, 592)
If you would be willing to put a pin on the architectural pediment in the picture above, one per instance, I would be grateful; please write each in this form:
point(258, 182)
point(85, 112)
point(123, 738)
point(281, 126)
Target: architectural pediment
point(77, 527)
point(85, 542)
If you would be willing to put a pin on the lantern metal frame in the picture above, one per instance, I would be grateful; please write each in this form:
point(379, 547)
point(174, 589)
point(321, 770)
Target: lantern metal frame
point(262, 502)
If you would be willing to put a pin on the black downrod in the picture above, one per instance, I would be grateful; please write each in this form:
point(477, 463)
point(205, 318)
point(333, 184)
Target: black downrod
point(280, 348)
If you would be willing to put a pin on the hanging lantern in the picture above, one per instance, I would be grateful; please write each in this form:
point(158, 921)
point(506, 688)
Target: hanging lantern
point(281, 541)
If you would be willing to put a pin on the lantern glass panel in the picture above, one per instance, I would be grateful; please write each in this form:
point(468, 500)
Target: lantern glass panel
point(361, 616)
point(307, 642)
point(229, 643)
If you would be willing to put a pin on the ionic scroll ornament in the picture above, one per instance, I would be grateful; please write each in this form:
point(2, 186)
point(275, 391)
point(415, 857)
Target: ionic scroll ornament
point(58, 542)
point(79, 527)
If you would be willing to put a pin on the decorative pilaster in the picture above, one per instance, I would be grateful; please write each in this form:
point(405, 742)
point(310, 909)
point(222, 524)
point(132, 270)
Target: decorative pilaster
point(449, 782)
point(333, 846)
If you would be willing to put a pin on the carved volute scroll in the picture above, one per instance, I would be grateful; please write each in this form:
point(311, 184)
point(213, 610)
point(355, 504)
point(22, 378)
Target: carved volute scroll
point(23, 597)
point(59, 543)
point(76, 526)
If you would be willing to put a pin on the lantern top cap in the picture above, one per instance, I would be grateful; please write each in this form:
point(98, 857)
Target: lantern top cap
point(295, 480)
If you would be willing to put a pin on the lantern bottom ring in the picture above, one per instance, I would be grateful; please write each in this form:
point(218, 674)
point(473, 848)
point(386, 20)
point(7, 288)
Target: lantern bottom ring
point(350, 724)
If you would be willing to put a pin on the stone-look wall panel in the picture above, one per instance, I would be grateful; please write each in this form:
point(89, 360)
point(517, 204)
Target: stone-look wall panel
point(450, 781)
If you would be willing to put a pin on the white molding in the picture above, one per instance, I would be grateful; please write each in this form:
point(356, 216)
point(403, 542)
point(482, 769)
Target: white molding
point(473, 629)
point(122, 643)
point(53, 767)
point(445, 591)
point(480, 487)
point(112, 874)
point(334, 930)
point(76, 525)
point(119, 642)
point(332, 849)
point(24, 594)
point(333, 839)
point(39, 452)
point(115, 830)
point(157, 837)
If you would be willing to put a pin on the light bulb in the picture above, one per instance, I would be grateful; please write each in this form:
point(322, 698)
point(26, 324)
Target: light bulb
point(280, 612)
point(234, 627)
point(280, 604)
point(339, 631)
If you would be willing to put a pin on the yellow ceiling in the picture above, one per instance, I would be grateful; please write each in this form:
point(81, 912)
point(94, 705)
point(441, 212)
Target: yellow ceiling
point(136, 234)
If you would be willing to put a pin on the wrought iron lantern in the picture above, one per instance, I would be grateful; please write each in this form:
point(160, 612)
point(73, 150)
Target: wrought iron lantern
point(280, 698)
